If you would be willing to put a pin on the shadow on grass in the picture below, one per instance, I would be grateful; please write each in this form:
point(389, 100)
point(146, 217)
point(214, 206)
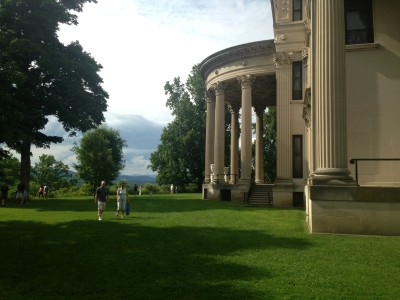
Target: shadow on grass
point(119, 260)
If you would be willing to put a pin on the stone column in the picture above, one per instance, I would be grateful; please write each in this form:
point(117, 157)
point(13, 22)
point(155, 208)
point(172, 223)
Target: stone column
point(330, 94)
point(259, 144)
point(234, 170)
point(282, 61)
point(210, 130)
point(246, 82)
point(219, 137)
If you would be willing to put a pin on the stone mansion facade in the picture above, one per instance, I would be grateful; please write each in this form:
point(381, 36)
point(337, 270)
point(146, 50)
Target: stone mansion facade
point(333, 73)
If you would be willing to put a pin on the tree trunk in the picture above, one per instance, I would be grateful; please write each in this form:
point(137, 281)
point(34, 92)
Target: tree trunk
point(25, 172)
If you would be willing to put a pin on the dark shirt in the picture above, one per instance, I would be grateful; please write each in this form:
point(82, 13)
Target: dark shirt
point(102, 194)
point(4, 190)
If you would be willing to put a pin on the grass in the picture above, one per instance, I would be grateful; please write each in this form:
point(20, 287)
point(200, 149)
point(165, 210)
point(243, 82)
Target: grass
point(181, 247)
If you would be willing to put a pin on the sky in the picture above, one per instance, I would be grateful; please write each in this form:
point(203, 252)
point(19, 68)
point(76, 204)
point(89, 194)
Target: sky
point(141, 45)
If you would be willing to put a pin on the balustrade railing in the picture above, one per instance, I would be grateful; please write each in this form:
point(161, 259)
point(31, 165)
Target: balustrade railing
point(354, 161)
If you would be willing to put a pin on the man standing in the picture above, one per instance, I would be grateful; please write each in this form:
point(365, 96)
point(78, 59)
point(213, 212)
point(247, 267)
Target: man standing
point(4, 194)
point(101, 198)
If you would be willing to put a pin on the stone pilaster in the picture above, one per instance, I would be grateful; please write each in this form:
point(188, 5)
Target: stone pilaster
point(330, 95)
point(234, 169)
point(210, 131)
point(219, 136)
point(246, 82)
point(282, 61)
point(259, 144)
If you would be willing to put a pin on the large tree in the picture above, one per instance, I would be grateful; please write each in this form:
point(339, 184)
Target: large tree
point(41, 77)
point(179, 159)
point(100, 155)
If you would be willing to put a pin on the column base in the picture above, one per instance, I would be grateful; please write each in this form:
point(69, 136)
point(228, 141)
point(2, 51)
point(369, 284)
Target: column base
point(331, 176)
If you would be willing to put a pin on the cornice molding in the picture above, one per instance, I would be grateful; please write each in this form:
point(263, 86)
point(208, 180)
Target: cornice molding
point(241, 52)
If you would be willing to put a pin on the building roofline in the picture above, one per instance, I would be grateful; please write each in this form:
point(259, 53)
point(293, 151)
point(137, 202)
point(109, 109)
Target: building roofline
point(216, 60)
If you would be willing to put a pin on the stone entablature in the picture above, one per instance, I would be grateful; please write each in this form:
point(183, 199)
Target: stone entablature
point(236, 53)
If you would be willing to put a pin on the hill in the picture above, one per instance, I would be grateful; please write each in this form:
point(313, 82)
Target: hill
point(138, 179)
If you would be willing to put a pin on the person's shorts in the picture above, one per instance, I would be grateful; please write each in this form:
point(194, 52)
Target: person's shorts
point(19, 195)
point(101, 205)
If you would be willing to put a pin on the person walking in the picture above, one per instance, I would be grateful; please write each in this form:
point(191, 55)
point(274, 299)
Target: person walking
point(122, 199)
point(41, 191)
point(101, 199)
point(140, 190)
point(4, 194)
point(19, 197)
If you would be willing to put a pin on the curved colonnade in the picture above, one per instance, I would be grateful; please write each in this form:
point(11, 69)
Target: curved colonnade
point(241, 78)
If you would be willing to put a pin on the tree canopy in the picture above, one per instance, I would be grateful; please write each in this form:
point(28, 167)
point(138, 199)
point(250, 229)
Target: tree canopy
point(100, 155)
point(270, 144)
point(41, 77)
point(179, 158)
point(9, 169)
point(48, 171)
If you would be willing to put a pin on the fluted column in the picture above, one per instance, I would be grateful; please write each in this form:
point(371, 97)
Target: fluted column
point(219, 137)
point(234, 169)
point(282, 62)
point(259, 144)
point(246, 82)
point(210, 130)
point(330, 94)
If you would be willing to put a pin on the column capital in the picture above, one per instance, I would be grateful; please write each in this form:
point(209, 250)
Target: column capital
point(218, 87)
point(246, 81)
point(233, 108)
point(282, 59)
point(259, 109)
point(209, 96)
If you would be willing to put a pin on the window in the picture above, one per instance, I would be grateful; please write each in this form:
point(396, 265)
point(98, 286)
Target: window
point(297, 156)
point(297, 13)
point(297, 81)
point(359, 22)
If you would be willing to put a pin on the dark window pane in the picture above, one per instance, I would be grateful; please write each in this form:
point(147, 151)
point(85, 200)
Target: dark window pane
point(297, 11)
point(297, 156)
point(297, 80)
point(359, 22)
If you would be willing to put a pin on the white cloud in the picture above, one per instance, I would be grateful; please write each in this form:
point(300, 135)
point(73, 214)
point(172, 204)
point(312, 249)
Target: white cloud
point(141, 45)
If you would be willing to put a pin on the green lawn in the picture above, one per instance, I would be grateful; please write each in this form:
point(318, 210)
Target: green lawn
point(182, 247)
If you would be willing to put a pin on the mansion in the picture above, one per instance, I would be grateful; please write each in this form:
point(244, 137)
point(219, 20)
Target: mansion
point(332, 72)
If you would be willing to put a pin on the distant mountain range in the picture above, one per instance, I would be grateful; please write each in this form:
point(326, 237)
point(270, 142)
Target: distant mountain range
point(130, 179)
point(138, 179)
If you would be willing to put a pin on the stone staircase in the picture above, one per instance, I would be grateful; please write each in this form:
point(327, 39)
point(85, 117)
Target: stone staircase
point(261, 195)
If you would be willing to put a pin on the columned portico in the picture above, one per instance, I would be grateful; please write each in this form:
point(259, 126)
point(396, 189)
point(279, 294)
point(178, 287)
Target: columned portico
point(241, 78)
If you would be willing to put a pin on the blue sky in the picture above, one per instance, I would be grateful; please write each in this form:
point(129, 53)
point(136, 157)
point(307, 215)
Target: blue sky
point(143, 44)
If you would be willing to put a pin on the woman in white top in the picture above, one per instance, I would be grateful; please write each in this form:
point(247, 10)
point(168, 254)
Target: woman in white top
point(122, 198)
